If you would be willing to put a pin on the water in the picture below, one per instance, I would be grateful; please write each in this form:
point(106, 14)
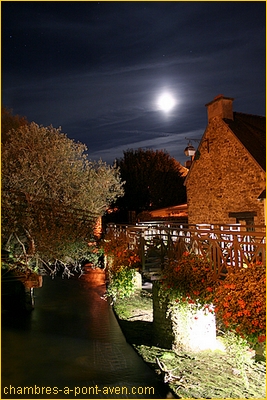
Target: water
point(71, 346)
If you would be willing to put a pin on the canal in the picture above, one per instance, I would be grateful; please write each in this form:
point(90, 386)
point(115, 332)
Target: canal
point(71, 346)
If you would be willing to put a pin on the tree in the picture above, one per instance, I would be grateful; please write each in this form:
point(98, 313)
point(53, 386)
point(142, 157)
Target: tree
point(10, 121)
point(153, 179)
point(51, 195)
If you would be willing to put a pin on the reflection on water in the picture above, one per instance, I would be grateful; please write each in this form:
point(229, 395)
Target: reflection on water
point(72, 340)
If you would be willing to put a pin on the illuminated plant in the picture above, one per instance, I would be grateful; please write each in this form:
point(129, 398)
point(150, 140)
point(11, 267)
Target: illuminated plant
point(95, 255)
point(188, 280)
point(240, 302)
point(52, 195)
point(121, 283)
point(117, 249)
point(122, 263)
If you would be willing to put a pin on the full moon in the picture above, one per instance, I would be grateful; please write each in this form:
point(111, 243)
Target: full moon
point(166, 102)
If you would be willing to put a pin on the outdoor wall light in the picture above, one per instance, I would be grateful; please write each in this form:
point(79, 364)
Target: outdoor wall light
point(189, 151)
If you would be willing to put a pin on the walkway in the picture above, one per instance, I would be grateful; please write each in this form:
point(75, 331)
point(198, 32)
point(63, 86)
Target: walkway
point(71, 346)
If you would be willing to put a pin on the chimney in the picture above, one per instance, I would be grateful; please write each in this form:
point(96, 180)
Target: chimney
point(221, 107)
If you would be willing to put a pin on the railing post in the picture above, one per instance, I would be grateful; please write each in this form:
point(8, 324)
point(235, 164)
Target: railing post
point(142, 252)
point(235, 264)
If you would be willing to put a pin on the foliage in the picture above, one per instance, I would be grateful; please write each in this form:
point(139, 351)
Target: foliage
point(116, 247)
point(121, 283)
point(207, 374)
point(11, 263)
point(240, 302)
point(43, 163)
point(153, 179)
point(122, 264)
point(188, 280)
point(51, 195)
point(94, 255)
point(239, 351)
point(9, 122)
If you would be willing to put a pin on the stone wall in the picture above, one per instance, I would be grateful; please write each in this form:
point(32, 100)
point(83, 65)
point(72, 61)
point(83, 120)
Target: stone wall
point(224, 179)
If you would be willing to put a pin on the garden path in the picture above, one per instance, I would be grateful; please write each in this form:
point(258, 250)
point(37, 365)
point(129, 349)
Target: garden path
point(72, 340)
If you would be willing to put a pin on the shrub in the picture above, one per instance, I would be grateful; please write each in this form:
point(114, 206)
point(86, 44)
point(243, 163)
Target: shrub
point(121, 283)
point(188, 280)
point(240, 302)
point(122, 264)
point(94, 255)
point(117, 249)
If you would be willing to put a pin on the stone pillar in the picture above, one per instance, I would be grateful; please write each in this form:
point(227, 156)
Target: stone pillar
point(137, 280)
point(194, 330)
point(183, 327)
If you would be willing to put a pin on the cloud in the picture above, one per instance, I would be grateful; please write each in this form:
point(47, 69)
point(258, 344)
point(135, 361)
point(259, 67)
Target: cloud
point(174, 144)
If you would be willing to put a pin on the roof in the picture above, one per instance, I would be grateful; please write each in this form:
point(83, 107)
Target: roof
point(182, 170)
point(178, 210)
point(251, 132)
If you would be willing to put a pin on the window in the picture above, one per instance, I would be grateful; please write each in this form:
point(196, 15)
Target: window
point(245, 216)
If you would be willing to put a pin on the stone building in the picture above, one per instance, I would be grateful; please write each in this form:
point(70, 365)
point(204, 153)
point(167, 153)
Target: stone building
point(226, 181)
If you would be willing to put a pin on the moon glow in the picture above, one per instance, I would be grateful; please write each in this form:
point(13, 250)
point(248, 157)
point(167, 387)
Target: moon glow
point(166, 102)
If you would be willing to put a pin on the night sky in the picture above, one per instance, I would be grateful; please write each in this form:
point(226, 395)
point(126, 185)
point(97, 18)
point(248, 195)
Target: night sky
point(97, 69)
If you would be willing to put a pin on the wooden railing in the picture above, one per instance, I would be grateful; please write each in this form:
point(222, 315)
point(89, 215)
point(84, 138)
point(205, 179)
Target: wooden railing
point(224, 247)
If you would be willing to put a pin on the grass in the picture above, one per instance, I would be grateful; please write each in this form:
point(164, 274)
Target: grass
point(233, 373)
